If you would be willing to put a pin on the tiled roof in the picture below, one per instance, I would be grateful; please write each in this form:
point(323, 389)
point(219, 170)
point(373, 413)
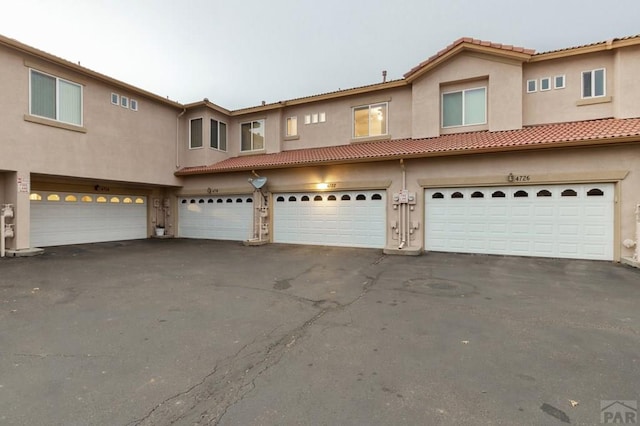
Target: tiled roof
point(473, 41)
point(580, 132)
point(598, 43)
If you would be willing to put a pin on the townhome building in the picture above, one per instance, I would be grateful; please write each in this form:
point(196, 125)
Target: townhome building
point(481, 148)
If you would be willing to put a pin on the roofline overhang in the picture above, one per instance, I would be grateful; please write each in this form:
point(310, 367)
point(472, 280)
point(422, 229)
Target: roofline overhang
point(448, 153)
point(21, 47)
point(582, 50)
point(414, 74)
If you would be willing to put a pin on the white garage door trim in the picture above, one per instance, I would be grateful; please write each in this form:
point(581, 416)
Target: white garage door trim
point(341, 218)
point(61, 218)
point(564, 221)
point(228, 217)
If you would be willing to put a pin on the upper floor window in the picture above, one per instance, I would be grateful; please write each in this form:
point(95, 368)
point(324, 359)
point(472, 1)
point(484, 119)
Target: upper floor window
point(252, 135)
point(464, 107)
point(593, 83)
point(195, 133)
point(292, 126)
point(370, 120)
point(55, 98)
point(558, 82)
point(532, 86)
point(545, 84)
point(218, 135)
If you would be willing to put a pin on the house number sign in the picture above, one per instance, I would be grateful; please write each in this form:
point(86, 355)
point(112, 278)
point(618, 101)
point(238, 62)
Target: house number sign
point(518, 178)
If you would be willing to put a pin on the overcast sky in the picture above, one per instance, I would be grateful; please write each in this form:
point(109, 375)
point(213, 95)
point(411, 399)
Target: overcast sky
point(238, 53)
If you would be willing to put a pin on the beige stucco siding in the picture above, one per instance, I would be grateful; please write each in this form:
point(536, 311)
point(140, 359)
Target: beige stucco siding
point(114, 143)
point(626, 93)
point(504, 99)
point(560, 105)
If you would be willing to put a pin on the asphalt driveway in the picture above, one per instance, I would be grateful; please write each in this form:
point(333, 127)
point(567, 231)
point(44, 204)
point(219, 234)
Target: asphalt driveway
point(159, 332)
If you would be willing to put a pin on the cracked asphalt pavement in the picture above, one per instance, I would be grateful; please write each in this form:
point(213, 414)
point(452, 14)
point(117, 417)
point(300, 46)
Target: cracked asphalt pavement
point(197, 332)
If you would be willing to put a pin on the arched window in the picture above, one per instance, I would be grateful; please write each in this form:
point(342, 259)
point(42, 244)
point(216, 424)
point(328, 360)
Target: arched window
point(331, 198)
point(127, 200)
point(101, 199)
point(201, 201)
point(521, 194)
point(239, 200)
point(229, 200)
point(184, 201)
point(53, 197)
point(543, 193)
point(71, 198)
point(192, 201)
point(569, 193)
point(139, 200)
point(477, 194)
point(457, 195)
point(376, 197)
point(304, 198)
point(219, 201)
point(249, 200)
point(114, 200)
point(35, 197)
point(498, 194)
point(292, 199)
point(346, 197)
point(437, 195)
point(317, 198)
point(361, 197)
point(595, 192)
point(280, 199)
point(210, 201)
point(87, 199)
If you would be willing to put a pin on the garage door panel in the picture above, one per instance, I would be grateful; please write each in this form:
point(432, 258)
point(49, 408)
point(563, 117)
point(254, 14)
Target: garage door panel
point(79, 222)
point(343, 221)
point(545, 223)
point(219, 218)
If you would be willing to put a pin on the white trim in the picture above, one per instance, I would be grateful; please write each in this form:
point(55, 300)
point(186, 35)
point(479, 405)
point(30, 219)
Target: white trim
point(58, 79)
point(593, 83)
point(133, 104)
point(124, 102)
point(369, 106)
point(564, 81)
point(201, 129)
point(548, 80)
point(463, 91)
point(263, 122)
point(535, 86)
point(116, 97)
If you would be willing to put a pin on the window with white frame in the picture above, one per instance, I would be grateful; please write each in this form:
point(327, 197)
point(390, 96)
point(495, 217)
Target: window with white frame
point(593, 83)
point(55, 98)
point(218, 135)
point(133, 104)
point(323, 117)
point(532, 86)
point(464, 107)
point(115, 99)
point(252, 135)
point(195, 133)
point(545, 84)
point(558, 82)
point(124, 102)
point(370, 120)
point(292, 126)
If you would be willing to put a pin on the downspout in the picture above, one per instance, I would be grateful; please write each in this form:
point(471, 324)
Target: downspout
point(184, 110)
point(402, 210)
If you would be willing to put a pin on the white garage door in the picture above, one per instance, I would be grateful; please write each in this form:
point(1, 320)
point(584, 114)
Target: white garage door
point(228, 217)
point(565, 221)
point(59, 218)
point(345, 218)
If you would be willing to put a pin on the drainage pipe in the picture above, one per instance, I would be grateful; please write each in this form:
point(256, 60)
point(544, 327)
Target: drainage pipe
point(402, 209)
point(636, 256)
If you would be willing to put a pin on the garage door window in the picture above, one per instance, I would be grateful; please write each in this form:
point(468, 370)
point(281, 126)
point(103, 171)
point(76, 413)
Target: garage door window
point(543, 193)
point(71, 198)
point(595, 192)
point(569, 193)
point(498, 194)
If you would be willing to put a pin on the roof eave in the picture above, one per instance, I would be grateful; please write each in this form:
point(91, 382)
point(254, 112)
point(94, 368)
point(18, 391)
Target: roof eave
point(582, 50)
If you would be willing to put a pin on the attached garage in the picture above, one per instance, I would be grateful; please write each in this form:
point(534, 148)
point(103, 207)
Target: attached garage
point(59, 218)
point(563, 221)
point(344, 218)
point(228, 217)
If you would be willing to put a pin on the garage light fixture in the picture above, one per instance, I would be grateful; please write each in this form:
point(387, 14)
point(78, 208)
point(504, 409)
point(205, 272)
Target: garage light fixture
point(322, 185)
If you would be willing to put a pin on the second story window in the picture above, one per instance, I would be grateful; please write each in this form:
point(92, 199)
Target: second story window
point(370, 120)
point(55, 98)
point(195, 133)
point(593, 83)
point(218, 135)
point(292, 126)
point(465, 107)
point(252, 135)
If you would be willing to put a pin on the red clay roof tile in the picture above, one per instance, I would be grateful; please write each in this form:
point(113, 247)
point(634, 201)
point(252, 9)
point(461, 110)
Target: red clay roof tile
point(543, 136)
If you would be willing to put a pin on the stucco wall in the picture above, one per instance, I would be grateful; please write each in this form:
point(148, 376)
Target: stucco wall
point(118, 144)
point(561, 105)
point(504, 93)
